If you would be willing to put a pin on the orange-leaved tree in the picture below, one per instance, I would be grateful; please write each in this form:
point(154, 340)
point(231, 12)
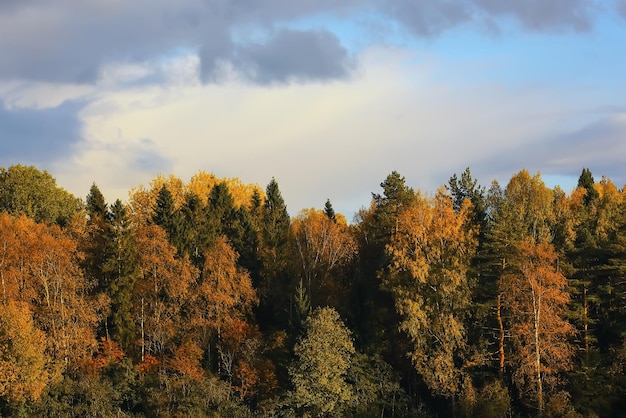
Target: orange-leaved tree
point(536, 297)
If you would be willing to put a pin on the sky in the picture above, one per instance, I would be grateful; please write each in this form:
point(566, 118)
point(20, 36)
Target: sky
point(326, 96)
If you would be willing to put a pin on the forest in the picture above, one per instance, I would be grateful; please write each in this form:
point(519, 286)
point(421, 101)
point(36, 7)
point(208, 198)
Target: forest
point(207, 299)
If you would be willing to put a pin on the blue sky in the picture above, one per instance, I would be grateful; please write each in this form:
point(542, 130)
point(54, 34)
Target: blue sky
point(326, 96)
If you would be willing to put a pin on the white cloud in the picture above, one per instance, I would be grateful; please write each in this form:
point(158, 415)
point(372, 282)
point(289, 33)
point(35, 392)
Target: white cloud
point(320, 140)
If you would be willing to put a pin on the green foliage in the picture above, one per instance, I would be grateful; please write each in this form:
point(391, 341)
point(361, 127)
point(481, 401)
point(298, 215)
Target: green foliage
point(183, 396)
point(329, 211)
point(167, 217)
point(587, 182)
point(95, 203)
point(323, 357)
point(24, 190)
point(121, 265)
point(377, 389)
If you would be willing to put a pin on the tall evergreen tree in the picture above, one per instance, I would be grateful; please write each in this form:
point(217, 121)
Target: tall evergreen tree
point(275, 287)
point(587, 182)
point(95, 246)
point(167, 216)
point(121, 265)
point(329, 211)
point(467, 187)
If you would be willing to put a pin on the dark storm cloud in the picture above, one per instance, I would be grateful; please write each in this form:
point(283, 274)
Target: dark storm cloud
point(42, 134)
point(68, 41)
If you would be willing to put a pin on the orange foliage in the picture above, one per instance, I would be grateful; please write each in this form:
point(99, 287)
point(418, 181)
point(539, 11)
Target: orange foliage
point(202, 182)
point(537, 300)
point(148, 365)
point(162, 287)
point(225, 290)
point(109, 352)
point(186, 360)
point(39, 266)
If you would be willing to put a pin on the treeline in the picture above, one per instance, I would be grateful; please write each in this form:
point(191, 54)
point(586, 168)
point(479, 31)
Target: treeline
point(207, 299)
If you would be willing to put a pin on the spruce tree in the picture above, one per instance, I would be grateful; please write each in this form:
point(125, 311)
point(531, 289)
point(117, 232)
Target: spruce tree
point(168, 217)
point(329, 211)
point(275, 287)
point(121, 266)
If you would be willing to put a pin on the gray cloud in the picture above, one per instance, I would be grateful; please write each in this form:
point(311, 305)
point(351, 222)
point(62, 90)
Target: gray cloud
point(42, 134)
point(429, 18)
point(620, 6)
point(65, 41)
point(598, 145)
point(433, 17)
point(146, 157)
point(544, 14)
point(299, 55)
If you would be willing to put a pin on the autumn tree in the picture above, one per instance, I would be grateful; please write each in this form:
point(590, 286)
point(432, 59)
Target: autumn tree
point(535, 294)
point(524, 209)
point(162, 286)
point(219, 307)
point(40, 267)
point(143, 200)
point(23, 365)
point(430, 251)
point(224, 291)
point(324, 248)
point(323, 357)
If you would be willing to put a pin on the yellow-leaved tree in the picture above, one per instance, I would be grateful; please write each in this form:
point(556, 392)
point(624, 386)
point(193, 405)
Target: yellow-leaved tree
point(323, 246)
point(430, 254)
point(23, 373)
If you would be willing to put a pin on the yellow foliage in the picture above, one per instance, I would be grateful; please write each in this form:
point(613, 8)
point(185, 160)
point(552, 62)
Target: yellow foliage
point(143, 199)
point(431, 251)
point(22, 362)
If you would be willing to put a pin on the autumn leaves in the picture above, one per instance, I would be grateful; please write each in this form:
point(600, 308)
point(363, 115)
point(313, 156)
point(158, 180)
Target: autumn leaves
point(208, 296)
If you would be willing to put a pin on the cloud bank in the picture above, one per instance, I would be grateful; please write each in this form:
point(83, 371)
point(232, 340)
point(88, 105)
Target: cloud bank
point(326, 96)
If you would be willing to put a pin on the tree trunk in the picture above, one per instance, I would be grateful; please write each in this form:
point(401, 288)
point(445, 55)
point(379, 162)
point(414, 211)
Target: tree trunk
point(537, 318)
point(501, 339)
